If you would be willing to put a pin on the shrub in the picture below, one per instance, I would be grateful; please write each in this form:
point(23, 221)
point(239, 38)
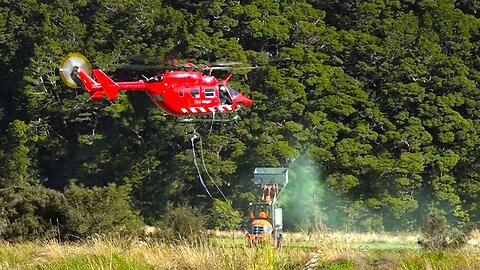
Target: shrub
point(31, 213)
point(101, 210)
point(223, 216)
point(438, 235)
point(181, 223)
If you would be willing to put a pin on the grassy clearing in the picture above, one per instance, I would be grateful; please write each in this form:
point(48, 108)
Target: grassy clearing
point(398, 259)
point(349, 250)
point(389, 251)
point(343, 239)
point(333, 250)
point(114, 254)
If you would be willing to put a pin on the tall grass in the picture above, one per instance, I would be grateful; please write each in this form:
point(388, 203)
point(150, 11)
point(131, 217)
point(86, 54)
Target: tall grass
point(351, 250)
point(115, 254)
point(333, 250)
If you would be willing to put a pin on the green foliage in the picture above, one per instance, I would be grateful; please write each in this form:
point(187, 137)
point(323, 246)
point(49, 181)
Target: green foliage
point(338, 264)
point(438, 235)
point(181, 223)
point(223, 217)
point(100, 211)
point(18, 169)
point(96, 261)
point(31, 213)
point(438, 259)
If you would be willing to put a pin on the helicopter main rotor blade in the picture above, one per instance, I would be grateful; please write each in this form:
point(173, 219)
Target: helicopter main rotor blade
point(232, 68)
point(145, 67)
point(226, 64)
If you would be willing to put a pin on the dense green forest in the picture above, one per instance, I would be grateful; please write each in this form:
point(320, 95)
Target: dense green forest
point(373, 105)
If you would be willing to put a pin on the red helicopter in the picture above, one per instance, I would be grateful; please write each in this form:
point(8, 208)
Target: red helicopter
point(178, 93)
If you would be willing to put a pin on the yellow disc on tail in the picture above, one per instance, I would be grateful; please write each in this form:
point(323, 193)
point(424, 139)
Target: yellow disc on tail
point(69, 62)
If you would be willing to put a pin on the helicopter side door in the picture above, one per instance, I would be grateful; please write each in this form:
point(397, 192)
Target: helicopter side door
point(209, 96)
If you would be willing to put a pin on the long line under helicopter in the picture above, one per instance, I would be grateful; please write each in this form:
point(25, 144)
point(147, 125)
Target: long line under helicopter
point(195, 160)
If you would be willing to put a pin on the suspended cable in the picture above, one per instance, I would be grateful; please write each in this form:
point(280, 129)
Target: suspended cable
point(195, 136)
point(196, 164)
point(206, 171)
point(211, 125)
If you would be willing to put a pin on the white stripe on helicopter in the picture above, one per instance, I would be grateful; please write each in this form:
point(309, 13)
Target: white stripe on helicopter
point(221, 108)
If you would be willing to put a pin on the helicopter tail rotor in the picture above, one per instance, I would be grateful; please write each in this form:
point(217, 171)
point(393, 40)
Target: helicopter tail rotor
point(71, 64)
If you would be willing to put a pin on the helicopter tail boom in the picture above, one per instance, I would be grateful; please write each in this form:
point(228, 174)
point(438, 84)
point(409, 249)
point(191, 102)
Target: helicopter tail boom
point(83, 78)
point(105, 84)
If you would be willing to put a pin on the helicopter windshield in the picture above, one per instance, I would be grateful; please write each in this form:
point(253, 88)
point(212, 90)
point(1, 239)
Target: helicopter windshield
point(233, 92)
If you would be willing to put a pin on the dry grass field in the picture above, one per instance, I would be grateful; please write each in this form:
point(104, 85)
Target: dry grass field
point(333, 250)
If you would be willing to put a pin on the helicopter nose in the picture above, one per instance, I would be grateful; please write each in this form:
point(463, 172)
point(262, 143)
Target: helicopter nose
point(247, 102)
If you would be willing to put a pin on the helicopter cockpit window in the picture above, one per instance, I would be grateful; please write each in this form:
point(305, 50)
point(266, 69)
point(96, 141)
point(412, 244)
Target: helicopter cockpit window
point(195, 93)
point(233, 92)
point(209, 93)
point(224, 96)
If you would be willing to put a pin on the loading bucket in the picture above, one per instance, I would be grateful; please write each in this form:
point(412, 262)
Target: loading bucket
point(267, 176)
